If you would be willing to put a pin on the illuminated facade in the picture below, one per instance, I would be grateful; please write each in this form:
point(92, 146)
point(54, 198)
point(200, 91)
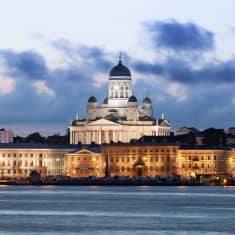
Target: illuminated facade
point(18, 160)
point(85, 162)
point(117, 159)
point(135, 160)
point(120, 117)
point(204, 162)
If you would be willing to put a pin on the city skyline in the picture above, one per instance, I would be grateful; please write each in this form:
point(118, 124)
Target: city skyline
point(181, 55)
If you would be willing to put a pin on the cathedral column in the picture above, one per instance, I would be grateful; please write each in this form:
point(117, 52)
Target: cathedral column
point(70, 137)
point(113, 134)
point(107, 137)
point(76, 137)
point(73, 137)
point(99, 137)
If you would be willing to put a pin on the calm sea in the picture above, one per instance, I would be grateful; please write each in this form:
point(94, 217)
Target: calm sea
point(117, 210)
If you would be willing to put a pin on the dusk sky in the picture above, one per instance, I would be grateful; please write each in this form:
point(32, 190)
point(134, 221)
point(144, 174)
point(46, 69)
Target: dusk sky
point(55, 54)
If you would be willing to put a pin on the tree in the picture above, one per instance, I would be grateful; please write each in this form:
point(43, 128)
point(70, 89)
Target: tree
point(35, 138)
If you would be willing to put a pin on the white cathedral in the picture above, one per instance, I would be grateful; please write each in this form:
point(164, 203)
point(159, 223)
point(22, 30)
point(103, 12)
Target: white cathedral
point(120, 117)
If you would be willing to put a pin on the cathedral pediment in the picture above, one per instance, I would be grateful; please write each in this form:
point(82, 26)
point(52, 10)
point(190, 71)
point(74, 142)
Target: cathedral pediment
point(102, 122)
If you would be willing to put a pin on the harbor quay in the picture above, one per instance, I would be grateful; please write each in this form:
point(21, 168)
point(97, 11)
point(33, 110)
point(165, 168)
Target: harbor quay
point(140, 159)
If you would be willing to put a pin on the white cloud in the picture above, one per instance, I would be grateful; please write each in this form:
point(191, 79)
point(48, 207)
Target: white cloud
point(178, 91)
point(233, 100)
point(100, 79)
point(43, 89)
point(7, 85)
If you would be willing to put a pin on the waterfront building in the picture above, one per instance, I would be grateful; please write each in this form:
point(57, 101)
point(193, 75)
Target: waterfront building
point(120, 117)
point(231, 130)
point(18, 160)
point(6, 136)
point(205, 162)
point(85, 161)
point(141, 159)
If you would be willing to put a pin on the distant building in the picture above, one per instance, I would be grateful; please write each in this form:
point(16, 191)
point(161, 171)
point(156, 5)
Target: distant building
point(6, 136)
point(231, 130)
point(186, 130)
point(120, 117)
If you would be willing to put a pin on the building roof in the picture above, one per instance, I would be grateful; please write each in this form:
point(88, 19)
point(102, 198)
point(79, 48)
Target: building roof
point(120, 70)
point(92, 148)
point(132, 99)
point(92, 99)
point(36, 146)
point(205, 147)
point(147, 100)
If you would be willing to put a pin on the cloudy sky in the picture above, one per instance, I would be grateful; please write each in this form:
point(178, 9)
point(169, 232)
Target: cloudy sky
point(55, 54)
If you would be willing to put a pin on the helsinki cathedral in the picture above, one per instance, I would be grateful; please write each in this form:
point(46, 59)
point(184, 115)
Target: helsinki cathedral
point(120, 118)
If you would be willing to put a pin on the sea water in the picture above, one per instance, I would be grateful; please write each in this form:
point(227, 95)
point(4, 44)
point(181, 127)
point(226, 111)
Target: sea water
point(116, 210)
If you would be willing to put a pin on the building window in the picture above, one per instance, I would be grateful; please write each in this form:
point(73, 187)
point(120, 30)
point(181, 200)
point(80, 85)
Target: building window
point(214, 157)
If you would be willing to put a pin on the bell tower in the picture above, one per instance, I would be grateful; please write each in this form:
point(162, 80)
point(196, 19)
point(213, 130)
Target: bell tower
point(120, 85)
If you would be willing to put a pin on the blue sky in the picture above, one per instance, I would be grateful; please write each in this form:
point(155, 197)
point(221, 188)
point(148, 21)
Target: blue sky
point(55, 54)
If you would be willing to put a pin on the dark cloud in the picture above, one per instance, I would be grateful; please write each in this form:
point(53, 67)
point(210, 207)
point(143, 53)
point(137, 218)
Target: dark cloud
point(182, 71)
point(72, 84)
point(180, 36)
point(27, 64)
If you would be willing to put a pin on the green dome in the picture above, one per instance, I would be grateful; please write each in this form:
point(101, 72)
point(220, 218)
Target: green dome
point(120, 70)
point(105, 100)
point(147, 100)
point(92, 99)
point(132, 99)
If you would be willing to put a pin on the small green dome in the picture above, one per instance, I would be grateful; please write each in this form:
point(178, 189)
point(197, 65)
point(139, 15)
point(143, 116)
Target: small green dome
point(147, 100)
point(105, 100)
point(92, 99)
point(132, 99)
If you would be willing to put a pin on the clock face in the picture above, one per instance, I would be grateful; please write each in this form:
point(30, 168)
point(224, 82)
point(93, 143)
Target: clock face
point(115, 87)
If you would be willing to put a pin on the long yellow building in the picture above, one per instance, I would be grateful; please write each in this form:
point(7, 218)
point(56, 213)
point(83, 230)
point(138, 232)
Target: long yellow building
point(117, 159)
